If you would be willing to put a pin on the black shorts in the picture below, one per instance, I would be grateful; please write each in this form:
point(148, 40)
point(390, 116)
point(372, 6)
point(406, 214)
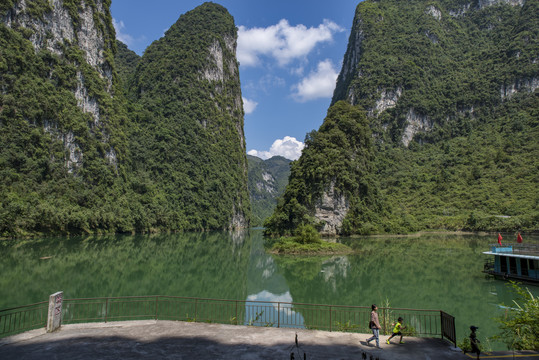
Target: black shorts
point(397, 333)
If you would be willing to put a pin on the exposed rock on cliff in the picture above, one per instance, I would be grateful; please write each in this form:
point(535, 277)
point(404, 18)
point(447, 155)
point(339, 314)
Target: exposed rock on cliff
point(79, 153)
point(59, 28)
point(435, 12)
point(415, 124)
point(56, 27)
point(330, 210)
point(435, 80)
point(387, 100)
point(521, 85)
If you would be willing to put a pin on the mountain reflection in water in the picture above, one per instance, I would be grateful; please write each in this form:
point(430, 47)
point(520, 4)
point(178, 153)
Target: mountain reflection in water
point(440, 272)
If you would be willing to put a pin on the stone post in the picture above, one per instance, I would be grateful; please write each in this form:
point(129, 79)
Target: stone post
point(54, 319)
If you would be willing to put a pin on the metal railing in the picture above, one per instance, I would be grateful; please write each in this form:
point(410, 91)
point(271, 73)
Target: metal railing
point(255, 313)
point(448, 327)
point(23, 318)
point(430, 323)
point(518, 248)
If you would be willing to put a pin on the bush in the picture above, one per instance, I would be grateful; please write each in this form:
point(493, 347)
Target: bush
point(307, 234)
point(520, 326)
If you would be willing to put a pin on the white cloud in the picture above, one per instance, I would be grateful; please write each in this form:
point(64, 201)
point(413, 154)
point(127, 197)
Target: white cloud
point(265, 295)
point(282, 41)
point(318, 84)
point(249, 105)
point(288, 147)
point(120, 35)
point(272, 299)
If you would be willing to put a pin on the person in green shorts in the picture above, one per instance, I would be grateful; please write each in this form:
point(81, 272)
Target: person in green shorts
point(397, 330)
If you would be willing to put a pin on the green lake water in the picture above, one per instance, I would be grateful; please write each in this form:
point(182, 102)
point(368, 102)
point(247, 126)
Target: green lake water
point(440, 272)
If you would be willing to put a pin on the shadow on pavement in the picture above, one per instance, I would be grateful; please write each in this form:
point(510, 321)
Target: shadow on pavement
point(117, 347)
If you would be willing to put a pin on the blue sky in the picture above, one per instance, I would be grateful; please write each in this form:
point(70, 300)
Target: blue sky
point(290, 53)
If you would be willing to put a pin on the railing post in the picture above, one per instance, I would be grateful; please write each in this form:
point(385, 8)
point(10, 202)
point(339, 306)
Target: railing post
point(279, 314)
point(385, 319)
point(448, 327)
point(236, 317)
point(54, 319)
point(330, 318)
point(442, 323)
point(106, 308)
point(156, 305)
point(196, 304)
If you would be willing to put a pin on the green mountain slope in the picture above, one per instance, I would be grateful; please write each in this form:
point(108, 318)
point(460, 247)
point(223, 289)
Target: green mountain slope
point(450, 92)
point(94, 138)
point(126, 62)
point(189, 140)
point(267, 181)
point(62, 140)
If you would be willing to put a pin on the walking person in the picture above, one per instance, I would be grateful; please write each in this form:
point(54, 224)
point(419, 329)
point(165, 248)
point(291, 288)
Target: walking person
point(474, 341)
point(397, 330)
point(374, 324)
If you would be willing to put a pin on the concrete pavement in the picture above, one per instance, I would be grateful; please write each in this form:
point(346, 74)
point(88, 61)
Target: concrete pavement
point(185, 340)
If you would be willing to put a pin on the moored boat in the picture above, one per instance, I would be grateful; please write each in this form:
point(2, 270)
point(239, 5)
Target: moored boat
point(514, 261)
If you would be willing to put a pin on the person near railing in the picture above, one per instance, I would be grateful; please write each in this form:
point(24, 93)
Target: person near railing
point(397, 330)
point(374, 324)
point(474, 341)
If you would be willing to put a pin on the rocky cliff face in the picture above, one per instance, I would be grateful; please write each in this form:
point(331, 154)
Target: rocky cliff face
point(81, 153)
point(431, 78)
point(355, 71)
point(54, 27)
point(331, 209)
point(222, 68)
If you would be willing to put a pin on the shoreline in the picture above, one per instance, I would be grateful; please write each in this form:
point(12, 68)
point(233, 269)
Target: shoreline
point(434, 232)
point(324, 237)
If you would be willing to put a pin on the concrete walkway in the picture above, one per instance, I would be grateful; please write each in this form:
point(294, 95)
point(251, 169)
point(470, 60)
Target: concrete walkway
point(184, 340)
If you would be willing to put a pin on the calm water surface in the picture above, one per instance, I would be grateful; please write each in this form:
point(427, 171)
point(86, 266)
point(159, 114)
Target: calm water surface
point(428, 272)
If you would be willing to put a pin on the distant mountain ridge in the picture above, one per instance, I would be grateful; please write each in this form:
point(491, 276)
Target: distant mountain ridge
point(267, 181)
point(449, 93)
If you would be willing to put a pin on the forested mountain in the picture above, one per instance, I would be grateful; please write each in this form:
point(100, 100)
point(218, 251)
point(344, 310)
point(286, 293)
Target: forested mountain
point(188, 143)
point(94, 138)
point(267, 181)
point(433, 124)
point(125, 62)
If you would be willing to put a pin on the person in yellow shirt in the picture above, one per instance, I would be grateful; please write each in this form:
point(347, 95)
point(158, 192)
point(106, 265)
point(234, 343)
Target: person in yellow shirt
point(397, 330)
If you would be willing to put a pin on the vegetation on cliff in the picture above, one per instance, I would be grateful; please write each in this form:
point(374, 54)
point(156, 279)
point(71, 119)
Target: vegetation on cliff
point(339, 153)
point(56, 164)
point(448, 90)
point(164, 152)
point(267, 181)
point(187, 143)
